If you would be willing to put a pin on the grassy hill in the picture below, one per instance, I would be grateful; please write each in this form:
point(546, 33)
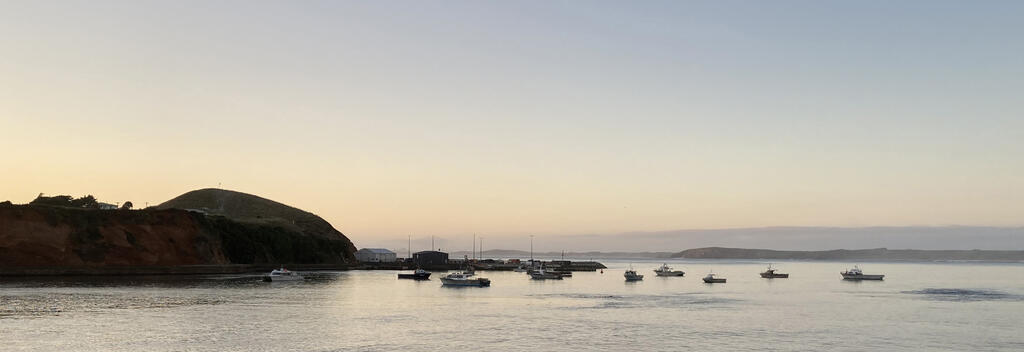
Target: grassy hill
point(253, 211)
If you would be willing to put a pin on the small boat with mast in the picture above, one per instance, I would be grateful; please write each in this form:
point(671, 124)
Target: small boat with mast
point(856, 274)
point(771, 274)
point(631, 275)
point(666, 270)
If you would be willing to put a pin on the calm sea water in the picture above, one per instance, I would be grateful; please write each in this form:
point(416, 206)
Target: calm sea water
point(920, 306)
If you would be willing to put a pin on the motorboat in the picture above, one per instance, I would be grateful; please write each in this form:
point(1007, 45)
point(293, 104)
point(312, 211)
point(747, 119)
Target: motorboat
point(419, 274)
point(771, 274)
point(666, 270)
point(542, 274)
point(282, 274)
point(711, 279)
point(631, 275)
point(464, 279)
point(856, 274)
point(522, 268)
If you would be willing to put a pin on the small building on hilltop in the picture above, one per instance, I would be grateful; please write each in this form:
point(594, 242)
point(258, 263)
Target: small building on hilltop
point(430, 258)
point(375, 255)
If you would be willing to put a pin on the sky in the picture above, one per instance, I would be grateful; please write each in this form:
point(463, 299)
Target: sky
point(447, 118)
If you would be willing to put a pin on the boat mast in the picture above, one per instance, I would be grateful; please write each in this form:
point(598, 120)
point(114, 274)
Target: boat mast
point(474, 247)
point(408, 248)
point(531, 250)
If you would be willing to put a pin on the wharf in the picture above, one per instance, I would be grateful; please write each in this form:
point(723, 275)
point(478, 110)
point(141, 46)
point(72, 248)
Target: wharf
point(566, 265)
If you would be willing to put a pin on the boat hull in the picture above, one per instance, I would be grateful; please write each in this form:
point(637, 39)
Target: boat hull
point(862, 277)
point(669, 273)
point(415, 276)
point(468, 283)
point(282, 278)
point(714, 281)
point(774, 276)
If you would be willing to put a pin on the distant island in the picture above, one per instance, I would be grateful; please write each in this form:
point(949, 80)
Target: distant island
point(877, 254)
point(200, 230)
point(511, 253)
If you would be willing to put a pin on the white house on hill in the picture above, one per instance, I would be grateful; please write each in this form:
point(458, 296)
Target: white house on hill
point(375, 255)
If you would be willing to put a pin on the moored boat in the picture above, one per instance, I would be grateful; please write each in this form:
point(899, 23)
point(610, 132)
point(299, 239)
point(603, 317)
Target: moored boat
point(666, 270)
point(464, 279)
point(856, 274)
point(771, 274)
point(282, 275)
point(419, 274)
point(541, 274)
point(631, 275)
point(711, 279)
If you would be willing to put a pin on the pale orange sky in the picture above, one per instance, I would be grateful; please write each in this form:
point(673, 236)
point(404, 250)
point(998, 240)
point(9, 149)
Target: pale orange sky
point(489, 118)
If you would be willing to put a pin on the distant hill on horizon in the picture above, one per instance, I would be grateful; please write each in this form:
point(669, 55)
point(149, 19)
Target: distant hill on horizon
point(858, 254)
point(876, 254)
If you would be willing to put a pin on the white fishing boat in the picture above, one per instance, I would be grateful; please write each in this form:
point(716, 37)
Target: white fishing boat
point(464, 279)
point(856, 274)
point(282, 275)
point(666, 270)
point(542, 274)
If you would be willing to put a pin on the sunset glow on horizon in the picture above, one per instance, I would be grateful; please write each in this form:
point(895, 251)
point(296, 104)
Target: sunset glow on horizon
point(391, 119)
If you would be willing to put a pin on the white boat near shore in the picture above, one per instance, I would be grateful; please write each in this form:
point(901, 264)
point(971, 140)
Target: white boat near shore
point(282, 275)
point(542, 274)
point(464, 279)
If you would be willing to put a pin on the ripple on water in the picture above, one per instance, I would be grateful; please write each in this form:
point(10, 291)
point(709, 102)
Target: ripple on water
point(964, 295)
point(605, 301)
point(55, 303)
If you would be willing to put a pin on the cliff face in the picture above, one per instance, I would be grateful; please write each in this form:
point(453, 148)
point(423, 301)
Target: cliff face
point(49, 236)
point(265, 233)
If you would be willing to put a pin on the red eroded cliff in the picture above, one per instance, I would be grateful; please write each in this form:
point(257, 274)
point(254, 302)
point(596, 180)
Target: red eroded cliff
point(65, 237)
